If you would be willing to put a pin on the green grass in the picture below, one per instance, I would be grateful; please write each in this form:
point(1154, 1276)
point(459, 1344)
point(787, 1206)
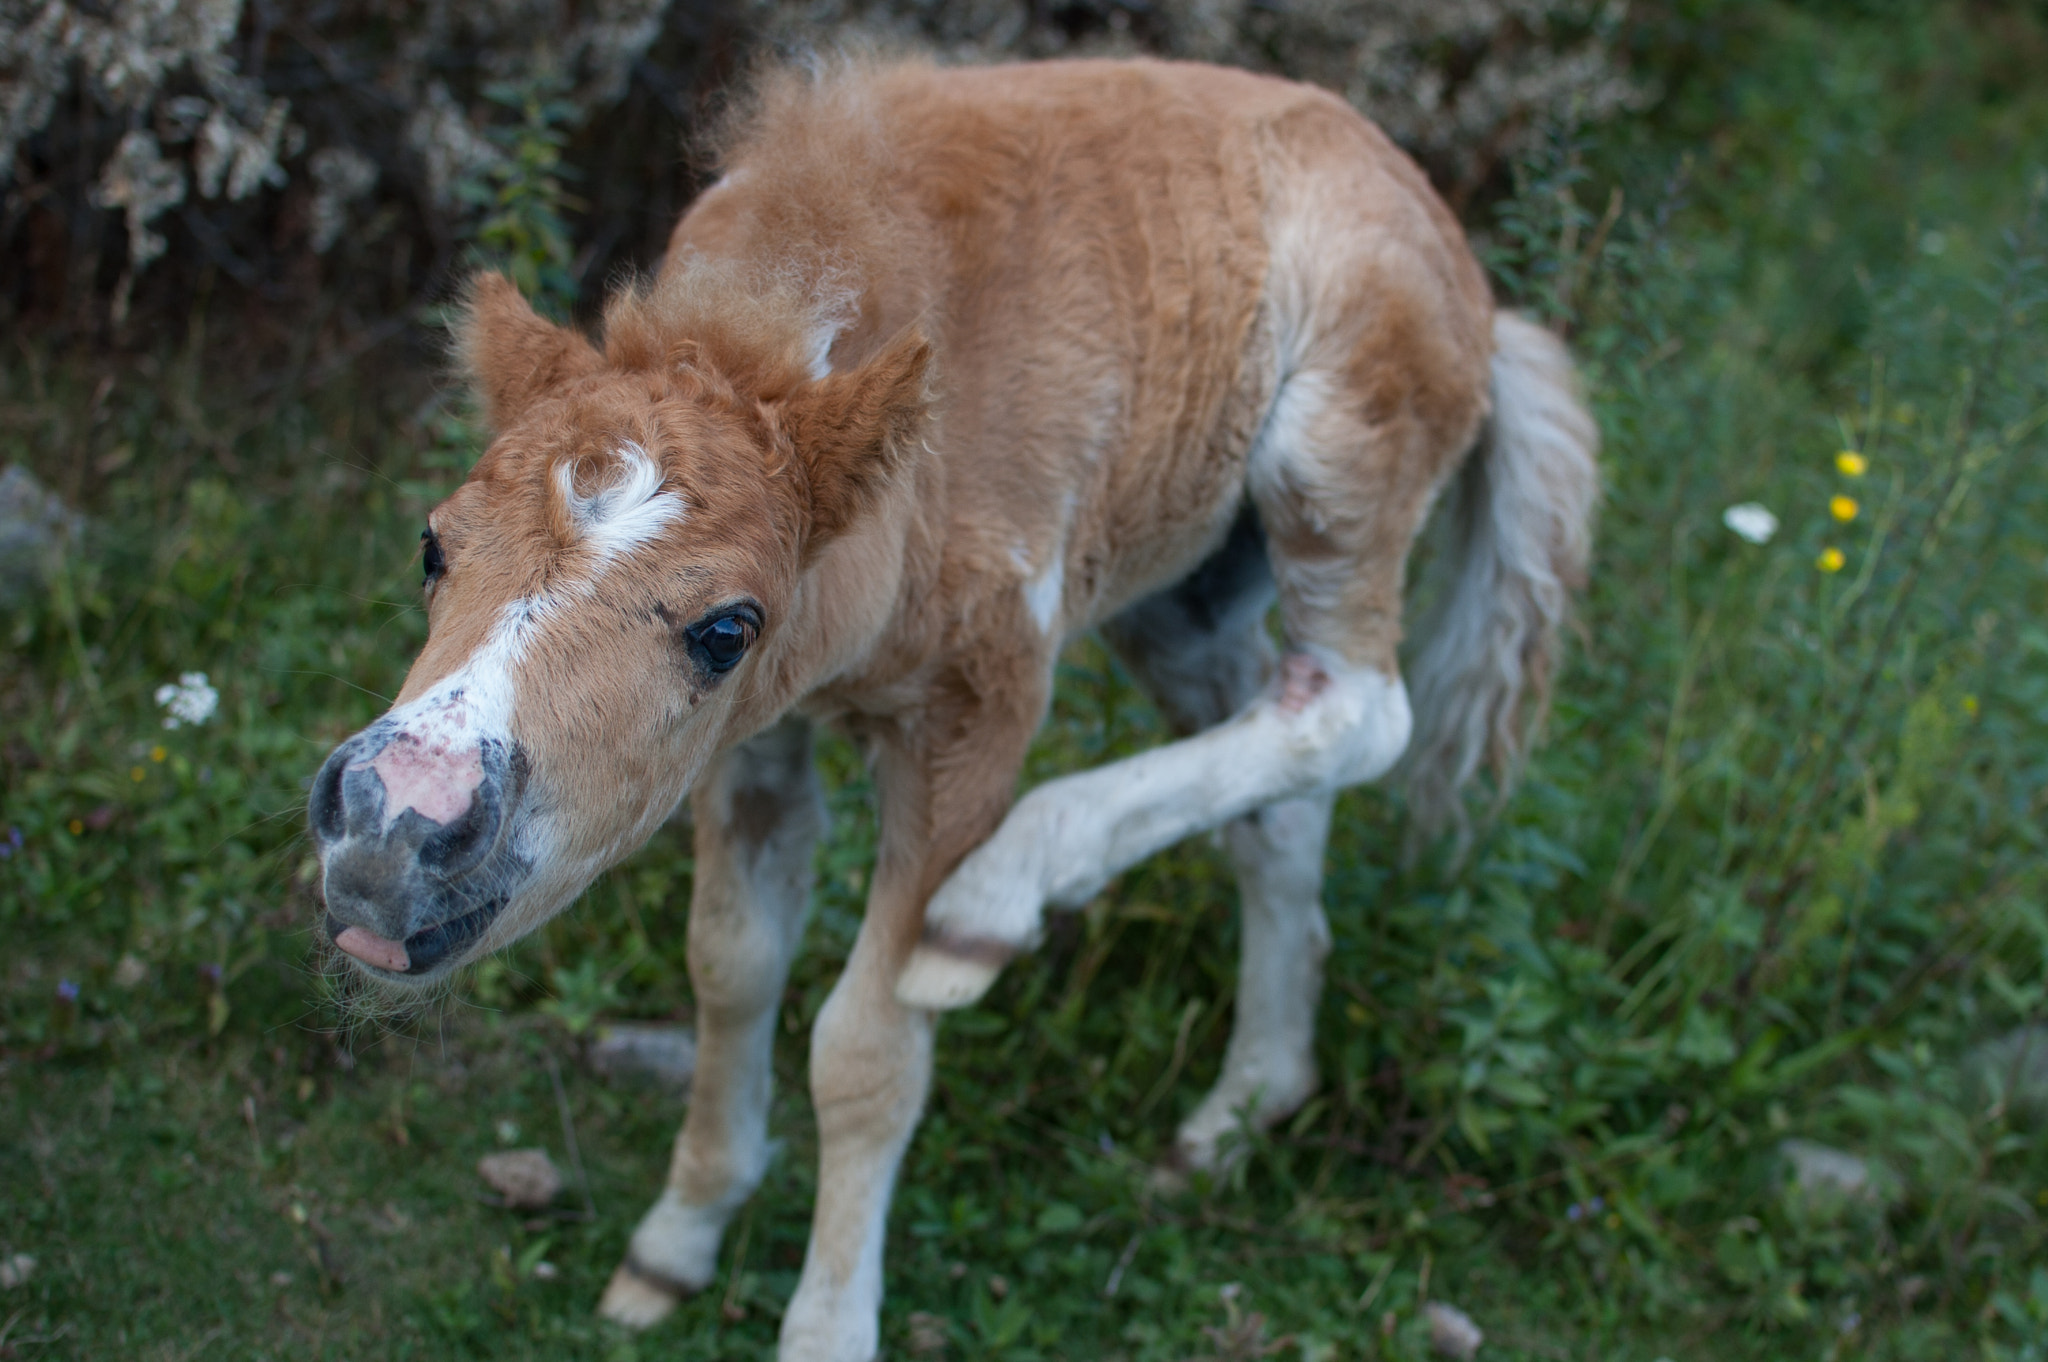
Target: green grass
point(1776, 873)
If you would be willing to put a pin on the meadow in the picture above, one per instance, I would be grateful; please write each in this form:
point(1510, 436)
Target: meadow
point(1774, 880)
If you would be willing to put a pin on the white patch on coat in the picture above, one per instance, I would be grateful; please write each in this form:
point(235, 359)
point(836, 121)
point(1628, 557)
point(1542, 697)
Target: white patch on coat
point(1044, 593)
point(432, 763)
point(627, 509)
point(821, 350)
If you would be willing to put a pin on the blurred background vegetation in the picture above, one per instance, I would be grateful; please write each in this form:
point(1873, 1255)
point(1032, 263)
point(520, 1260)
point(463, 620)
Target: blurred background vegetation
point(1727, 1041)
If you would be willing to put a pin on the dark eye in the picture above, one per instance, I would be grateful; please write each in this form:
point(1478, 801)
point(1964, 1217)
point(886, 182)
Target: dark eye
point(720, 640)
point(430, 556)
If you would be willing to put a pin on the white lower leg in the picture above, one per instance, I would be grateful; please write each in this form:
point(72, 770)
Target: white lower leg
point(1269, 1068)
point(753, 884)
point(871, 1063)
point(1326, 727)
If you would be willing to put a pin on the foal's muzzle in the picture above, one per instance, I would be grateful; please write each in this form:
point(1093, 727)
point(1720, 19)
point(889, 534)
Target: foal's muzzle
point(416, 844)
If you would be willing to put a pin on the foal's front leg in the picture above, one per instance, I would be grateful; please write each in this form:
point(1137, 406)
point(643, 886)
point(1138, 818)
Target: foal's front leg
point(758, 815)
point(871, 1055)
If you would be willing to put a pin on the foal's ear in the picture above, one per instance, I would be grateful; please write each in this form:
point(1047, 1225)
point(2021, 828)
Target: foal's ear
point(851, 432)
point(512, 354)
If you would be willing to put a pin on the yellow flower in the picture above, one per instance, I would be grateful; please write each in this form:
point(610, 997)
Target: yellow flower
point(157, 753)
point(135, 774)
point(1830, 559)
point(1970, 705)
point(1851, 464)
point(75, 827)
point(1842, 508)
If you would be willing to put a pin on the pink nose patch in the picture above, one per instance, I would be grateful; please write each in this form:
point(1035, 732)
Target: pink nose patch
point(372, 949)
point(432, 777)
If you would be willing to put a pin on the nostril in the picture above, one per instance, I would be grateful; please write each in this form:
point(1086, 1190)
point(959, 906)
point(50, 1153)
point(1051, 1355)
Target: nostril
point(460, 845)
point(324, 808)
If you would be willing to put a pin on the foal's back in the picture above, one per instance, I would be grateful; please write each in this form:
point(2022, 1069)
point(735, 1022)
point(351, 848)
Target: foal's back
point(1121, 263)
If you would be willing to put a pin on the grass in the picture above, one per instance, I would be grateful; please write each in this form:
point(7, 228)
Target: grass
point(1776, 873)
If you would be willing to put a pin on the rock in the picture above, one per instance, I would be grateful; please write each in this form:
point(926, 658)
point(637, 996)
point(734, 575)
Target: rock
point(666, 1054)
point(1451, 1331)
point(35, 528)
point(2014, 1069)
point(1817, 1168)
point(1826, 1178)
point(927, 1334)
point(15, 1270)
point(526, 1178)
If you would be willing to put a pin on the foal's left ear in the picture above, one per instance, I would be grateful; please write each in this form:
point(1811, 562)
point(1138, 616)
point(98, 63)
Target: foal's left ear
point(512, 354)
point(851, 432)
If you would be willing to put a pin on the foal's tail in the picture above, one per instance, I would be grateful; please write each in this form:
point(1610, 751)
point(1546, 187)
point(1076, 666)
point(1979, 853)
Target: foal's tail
point(1520, 531)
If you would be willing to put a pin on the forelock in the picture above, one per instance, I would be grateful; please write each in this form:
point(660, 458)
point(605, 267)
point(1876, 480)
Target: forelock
point(621, 504)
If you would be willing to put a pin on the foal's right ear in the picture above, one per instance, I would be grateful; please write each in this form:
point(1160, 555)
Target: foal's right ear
point(852, 431)
point(512, 354)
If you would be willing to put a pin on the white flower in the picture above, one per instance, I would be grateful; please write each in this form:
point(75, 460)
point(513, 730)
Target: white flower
point(1451, 1331)
point(1751, 521)
point(190, 701)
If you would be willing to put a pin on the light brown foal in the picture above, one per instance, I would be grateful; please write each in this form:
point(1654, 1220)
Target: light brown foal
point(949, 366)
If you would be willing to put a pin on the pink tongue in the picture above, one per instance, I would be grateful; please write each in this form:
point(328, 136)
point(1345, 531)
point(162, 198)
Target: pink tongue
point(372, 949)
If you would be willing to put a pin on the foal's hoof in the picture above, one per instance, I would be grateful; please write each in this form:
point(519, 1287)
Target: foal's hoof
point(946, 972)
point(1174, 1174)
point(636, 1300)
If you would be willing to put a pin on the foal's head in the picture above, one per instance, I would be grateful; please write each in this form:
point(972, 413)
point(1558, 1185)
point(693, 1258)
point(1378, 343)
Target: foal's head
point(607, 600)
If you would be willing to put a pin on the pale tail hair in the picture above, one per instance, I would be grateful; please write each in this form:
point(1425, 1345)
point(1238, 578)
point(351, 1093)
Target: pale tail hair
point(1519, 534)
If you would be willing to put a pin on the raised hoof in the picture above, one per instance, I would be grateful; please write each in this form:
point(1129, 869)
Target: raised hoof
point(638, 1301)
point(944, 974)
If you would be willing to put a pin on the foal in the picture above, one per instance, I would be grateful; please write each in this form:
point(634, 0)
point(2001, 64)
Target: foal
point(950, 366)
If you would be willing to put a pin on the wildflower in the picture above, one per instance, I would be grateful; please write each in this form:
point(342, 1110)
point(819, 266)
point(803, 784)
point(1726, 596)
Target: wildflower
point(67, 991)
point(1850, 464)
point(157, 753)
point(136, 773)
point(1843, 508)
point(10, 844)
point(1830, 559)
point(1970, 705)
point(76, 827)
point(1752, 521)
point(190, 701)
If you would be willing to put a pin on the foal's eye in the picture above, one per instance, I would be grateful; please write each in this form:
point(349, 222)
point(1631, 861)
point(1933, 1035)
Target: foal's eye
point(430, 557)
point(720, 640)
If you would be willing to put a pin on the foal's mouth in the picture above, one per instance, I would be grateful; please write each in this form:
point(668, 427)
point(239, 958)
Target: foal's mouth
point(425, 950)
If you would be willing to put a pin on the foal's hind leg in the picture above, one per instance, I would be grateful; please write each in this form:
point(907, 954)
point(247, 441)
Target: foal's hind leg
point(1200, 648)
point(757, 817)
point(1353, 450)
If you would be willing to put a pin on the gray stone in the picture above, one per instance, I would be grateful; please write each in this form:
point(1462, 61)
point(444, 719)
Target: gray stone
point(35, 529)
point(1452, 1333)
point(526, 1178)
point(2014, 1070)
point(1829, 1180)
point(665, 1054)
